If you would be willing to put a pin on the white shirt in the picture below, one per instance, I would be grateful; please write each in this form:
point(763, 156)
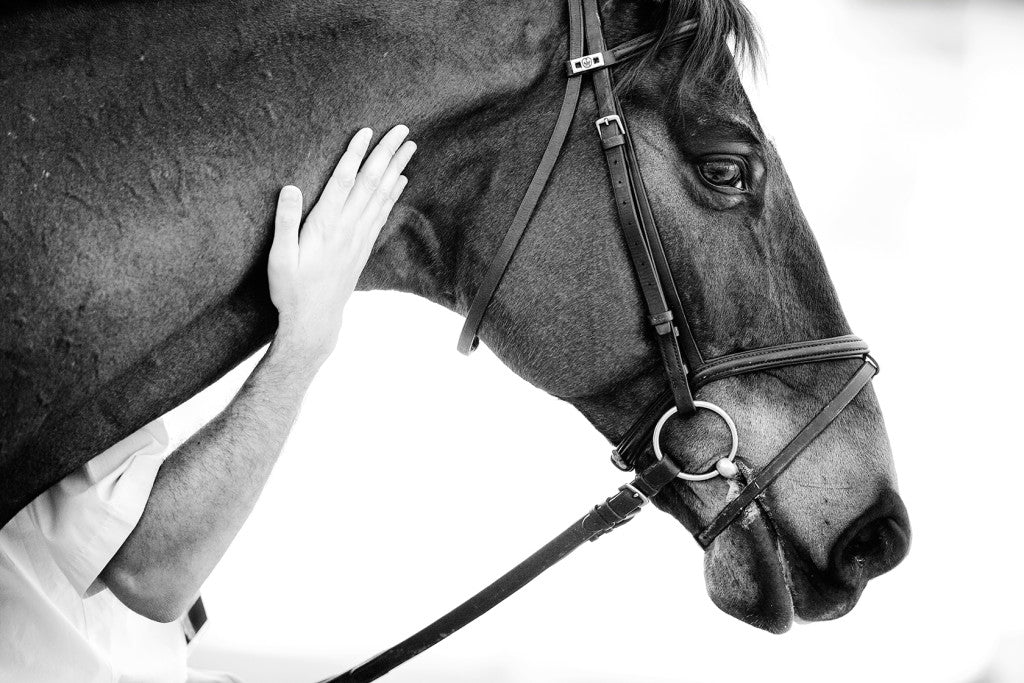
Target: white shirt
point(58, 622)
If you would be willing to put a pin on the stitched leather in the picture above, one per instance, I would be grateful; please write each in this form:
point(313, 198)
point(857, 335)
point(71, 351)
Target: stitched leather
point(637, 438)
point(691, 353)
point(613, 512)
point(770, 472)
point(757, 360)
point(639, 45)
point(636, 225)
point(635, 47)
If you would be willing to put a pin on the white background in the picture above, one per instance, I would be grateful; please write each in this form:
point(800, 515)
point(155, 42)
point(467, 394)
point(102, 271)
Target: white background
point(415, 476)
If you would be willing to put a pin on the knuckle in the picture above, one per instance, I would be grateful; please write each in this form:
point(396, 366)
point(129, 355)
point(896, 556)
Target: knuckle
point(344, 180)
point(373, 179)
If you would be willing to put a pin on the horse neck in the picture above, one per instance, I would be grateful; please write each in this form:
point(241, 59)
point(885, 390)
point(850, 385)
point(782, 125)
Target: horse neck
point(477, 83)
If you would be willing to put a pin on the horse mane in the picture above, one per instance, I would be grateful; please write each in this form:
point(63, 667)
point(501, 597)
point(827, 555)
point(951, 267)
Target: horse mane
point(721, 24)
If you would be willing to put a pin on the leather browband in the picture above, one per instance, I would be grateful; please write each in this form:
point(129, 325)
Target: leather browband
point(632, 48)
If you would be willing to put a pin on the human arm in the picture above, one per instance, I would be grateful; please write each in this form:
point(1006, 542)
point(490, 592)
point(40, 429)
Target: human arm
point(206, 488)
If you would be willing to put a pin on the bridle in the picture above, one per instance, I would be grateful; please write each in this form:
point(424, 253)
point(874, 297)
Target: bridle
point(686, 369)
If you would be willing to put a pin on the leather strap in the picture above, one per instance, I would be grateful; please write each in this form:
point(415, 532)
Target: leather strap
point(638, 437)
point(770, 472)
point(665, 309)
point(691, 353)
point(468, 339)
point(641, 44)
point(783, 355)
point(632, 48)
point(611, 514)
point(637, 224)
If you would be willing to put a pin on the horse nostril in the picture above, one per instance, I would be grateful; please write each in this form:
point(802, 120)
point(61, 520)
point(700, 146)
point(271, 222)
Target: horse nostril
point(873, 544)
point(876, 548)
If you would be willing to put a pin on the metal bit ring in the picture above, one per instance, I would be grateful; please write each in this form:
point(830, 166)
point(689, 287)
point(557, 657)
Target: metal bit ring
point(725, 466)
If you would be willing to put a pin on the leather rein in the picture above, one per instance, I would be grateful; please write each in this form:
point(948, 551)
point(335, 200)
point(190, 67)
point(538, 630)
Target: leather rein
point(686, 369)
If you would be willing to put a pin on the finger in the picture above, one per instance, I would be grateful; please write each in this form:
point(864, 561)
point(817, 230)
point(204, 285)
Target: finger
point(284, 250)
point(381, 219)
point(387, 184)
point(339, 185)
point(372, 174)
point(389, 204)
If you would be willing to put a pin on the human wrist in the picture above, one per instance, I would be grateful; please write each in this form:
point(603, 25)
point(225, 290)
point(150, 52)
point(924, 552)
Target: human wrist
point(295, 359)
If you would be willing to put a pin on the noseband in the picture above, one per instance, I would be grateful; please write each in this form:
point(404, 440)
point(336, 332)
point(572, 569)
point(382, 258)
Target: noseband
point(685, 368)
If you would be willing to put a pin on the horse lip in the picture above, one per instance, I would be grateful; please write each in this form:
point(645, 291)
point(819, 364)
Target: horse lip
point(771, 604)
point(751, 542)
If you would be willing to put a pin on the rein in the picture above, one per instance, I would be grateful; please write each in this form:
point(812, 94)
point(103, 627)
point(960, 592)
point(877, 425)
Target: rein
point(686, 369)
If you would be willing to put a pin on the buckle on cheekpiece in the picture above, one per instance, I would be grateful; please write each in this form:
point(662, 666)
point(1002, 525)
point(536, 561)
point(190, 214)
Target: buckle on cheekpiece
point(605, 120)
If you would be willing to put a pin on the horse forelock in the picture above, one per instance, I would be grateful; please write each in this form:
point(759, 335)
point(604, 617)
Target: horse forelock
point(720, 24)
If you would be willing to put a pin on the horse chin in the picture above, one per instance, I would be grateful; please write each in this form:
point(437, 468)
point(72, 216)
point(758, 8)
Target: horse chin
point(747, 576)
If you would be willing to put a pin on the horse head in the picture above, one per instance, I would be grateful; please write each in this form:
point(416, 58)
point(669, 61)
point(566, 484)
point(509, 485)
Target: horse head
point(568, 315)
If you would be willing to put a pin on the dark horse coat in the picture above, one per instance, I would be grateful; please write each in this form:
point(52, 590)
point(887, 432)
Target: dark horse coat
point(141, 148)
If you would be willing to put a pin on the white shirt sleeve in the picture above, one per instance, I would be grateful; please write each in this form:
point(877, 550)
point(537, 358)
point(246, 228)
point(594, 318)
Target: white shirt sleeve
point(86, 517)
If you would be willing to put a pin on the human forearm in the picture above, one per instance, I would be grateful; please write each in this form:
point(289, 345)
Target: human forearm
point(206, 489)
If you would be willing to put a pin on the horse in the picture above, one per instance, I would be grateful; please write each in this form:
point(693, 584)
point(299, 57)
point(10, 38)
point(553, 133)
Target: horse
point(142, 146)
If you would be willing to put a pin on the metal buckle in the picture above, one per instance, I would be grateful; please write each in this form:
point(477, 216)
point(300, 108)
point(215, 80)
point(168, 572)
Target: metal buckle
point(586, 63)
point(605, 120)
point(644, 500)
point(871, 359)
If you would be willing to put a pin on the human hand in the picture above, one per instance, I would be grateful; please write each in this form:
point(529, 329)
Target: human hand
point(313, 273)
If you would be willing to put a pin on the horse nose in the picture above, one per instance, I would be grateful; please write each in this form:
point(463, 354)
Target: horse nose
point(876, 542)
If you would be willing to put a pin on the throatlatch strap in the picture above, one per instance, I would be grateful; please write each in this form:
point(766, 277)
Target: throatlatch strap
point(611, 514)
point(468, 339)
point(785, 458)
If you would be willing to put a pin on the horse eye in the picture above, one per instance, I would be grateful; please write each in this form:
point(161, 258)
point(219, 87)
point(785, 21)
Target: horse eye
point(722, 173)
